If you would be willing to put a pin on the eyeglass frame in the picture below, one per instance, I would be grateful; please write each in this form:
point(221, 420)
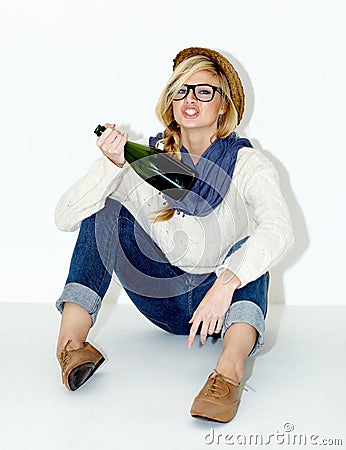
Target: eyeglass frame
point(192, 87)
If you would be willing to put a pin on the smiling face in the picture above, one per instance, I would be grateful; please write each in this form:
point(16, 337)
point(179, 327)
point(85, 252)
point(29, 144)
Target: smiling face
point(192, 114)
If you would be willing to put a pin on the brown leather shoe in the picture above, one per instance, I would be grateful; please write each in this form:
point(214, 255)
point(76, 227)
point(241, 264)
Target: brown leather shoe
point(218, 400)
point(79, 365)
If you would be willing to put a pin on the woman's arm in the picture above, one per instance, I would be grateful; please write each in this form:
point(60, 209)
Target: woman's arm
point(270, 240)
point(273, 235)
point(89, 194)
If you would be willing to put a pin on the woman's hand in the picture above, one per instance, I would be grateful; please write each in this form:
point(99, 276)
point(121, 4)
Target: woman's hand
point(212, 309)
point(112, 143)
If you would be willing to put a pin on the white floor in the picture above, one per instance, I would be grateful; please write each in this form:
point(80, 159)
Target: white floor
point(140, 398)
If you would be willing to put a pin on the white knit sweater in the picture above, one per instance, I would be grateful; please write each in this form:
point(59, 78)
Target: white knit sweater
point(254, 206)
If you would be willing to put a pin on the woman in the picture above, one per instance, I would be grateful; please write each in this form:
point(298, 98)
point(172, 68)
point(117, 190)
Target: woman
point(198, 266)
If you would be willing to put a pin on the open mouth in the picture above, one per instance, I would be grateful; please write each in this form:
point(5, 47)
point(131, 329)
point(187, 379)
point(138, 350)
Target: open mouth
point(190, 113)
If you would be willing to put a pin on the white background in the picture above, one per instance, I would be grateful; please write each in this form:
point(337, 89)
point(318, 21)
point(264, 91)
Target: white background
point(68, 65)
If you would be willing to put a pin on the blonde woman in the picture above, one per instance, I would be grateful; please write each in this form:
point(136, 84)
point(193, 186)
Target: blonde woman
point(198, 266)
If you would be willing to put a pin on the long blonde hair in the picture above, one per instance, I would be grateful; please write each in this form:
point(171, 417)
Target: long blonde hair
point(227, 121)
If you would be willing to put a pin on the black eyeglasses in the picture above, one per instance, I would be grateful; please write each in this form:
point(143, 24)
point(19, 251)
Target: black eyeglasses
point(202, 92)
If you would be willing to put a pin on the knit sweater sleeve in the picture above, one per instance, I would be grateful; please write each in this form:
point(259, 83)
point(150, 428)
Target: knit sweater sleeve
point(272, 236)
point(87, 195)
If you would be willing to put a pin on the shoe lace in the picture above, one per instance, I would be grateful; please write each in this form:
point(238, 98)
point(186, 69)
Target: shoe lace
point(219, 387)
point(64, 356)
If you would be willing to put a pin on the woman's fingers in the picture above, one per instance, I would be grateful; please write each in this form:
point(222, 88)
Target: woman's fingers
point(204, 332)
point(112, 143)
point(209, 327)
point(212, 326)
point(107, 137)
point(193, 331)
point(219, 325)
point(109, 134)
point(118, 143)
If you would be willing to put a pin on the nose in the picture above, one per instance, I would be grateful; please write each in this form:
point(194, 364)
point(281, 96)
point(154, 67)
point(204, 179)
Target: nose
point(190, 98)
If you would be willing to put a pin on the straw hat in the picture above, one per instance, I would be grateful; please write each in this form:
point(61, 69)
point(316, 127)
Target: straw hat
point(221, 63)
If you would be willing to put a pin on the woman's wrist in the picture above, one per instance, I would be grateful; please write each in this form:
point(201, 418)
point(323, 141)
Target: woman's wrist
point(227, 277)
point(120, 165)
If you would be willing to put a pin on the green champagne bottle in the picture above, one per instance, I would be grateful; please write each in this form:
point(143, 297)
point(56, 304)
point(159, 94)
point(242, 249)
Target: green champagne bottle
point(157, 168)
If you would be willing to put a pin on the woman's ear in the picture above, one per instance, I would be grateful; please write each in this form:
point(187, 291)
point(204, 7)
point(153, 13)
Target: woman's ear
point(222, 110)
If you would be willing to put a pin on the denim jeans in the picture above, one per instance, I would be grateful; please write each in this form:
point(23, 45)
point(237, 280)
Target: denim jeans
point(112, 240)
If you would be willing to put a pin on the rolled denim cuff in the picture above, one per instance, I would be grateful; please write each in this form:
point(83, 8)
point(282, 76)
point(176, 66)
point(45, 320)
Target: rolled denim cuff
point(247, 312)
point(82, 296)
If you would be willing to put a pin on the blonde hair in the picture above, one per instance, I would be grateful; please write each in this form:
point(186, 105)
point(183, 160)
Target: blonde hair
point(227, 121)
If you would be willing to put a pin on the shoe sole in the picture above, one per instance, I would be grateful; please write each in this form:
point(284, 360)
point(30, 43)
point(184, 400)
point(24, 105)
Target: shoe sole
point(81, 374)
point(208, 419)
